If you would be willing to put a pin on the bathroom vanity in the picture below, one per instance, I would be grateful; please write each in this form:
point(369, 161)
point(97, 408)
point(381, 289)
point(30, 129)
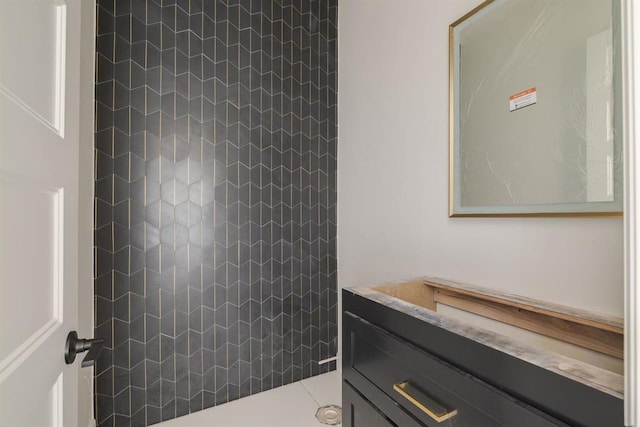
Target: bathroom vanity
point(407, 365)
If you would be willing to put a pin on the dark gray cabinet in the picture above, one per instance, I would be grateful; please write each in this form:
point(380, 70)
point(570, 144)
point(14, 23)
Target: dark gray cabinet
point(400, 371)
point(360, 412)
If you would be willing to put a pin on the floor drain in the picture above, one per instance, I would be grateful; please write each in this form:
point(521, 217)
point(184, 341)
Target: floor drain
point(329, 415)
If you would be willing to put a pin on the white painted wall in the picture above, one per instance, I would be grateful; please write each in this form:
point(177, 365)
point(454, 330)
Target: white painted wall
point(85, 207)
point(393, 175)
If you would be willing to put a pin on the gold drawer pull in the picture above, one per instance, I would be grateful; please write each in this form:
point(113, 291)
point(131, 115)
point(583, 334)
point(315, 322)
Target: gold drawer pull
point(434, 410)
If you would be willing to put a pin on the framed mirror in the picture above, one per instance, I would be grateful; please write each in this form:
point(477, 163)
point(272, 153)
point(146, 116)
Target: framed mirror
point(535, 105)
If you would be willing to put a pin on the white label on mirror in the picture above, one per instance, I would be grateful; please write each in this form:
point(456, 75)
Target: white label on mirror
point(523, 99)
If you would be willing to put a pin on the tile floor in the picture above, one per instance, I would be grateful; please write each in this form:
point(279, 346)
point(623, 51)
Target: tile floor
point(293, 405)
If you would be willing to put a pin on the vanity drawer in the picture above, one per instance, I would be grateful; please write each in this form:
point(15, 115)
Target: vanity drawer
point(430, 390)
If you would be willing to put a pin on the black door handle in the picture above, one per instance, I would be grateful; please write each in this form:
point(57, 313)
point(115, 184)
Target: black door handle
point(74, 345)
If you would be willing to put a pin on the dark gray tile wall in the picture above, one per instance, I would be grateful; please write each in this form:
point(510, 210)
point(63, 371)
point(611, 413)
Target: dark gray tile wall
point(215, 209)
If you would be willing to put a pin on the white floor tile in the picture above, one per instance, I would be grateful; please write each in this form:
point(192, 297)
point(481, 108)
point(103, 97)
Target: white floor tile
point(325, 389)
point(288, 406)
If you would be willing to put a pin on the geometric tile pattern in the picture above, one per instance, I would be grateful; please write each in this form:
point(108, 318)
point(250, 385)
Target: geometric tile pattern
point(215, 201)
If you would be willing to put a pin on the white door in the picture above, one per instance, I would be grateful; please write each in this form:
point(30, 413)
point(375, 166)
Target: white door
point(39, 149)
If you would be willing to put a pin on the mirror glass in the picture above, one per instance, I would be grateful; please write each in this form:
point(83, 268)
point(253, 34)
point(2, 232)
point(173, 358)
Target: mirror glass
point(535, 102)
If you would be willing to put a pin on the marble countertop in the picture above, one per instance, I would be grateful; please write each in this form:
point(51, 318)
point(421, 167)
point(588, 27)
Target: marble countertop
point(595, 377)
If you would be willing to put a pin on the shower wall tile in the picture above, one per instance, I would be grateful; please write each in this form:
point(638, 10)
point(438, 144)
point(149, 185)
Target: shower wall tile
point(215, 206)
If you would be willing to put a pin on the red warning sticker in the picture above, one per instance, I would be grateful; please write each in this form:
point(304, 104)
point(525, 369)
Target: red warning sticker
point(523, 99)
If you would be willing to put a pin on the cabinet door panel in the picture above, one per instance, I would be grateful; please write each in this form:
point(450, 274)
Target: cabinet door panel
point(359, 412)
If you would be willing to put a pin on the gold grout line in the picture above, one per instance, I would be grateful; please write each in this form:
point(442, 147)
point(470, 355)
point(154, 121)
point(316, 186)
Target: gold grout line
point(271, 194)
point(226, 197)
point(174, 324)
point(215, 379)
point(261, 219)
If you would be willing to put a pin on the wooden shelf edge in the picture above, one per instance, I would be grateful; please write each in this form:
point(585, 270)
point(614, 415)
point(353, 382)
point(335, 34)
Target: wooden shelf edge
point(603, 334)
point(596, 320)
